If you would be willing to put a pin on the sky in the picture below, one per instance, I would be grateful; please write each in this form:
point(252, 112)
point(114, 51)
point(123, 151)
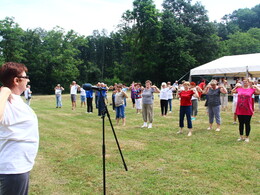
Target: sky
point(84, 16)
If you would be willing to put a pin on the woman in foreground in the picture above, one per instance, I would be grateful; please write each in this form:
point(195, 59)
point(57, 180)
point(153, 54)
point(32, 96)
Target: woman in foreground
point(244, 108)
point(19, 137)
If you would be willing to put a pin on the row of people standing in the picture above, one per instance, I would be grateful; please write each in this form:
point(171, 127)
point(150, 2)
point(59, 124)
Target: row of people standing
point(138, 94)
point(142, 98)
point(86, 96)
point(243, 107)
point(189, 93)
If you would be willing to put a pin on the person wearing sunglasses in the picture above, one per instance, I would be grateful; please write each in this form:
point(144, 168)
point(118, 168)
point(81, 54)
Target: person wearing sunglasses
point(19, 135)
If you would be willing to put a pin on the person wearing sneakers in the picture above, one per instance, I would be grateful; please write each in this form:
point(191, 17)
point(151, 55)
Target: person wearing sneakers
point(244, 109)
point(147, 110)
point(186, 106)
point(213, 97)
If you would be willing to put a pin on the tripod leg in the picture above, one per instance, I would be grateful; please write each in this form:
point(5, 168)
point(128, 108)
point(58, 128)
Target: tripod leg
point(104, 157)
point(116, 139)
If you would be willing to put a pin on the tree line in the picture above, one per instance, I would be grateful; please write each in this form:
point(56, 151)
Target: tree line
point(149, 44)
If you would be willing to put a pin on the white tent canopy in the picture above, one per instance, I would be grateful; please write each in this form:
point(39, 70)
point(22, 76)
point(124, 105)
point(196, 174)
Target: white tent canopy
point(231, 66)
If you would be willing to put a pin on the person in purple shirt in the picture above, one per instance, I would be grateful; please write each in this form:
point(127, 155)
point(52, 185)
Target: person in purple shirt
point(132, 87)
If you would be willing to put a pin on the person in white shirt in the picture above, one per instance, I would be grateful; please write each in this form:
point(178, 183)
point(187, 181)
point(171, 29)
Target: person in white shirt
point(170, 95)
point(175, 88)
point(164, 98)
point(73, 94)
point(234, 103)
point(28, 95)
point(58, 91)
point(19, 136)
point(82, 97)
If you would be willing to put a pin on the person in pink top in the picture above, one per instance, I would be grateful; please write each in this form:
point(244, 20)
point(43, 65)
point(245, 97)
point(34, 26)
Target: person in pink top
point(244, 109)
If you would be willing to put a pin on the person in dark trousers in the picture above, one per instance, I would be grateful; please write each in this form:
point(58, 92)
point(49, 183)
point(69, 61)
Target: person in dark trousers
point(244, 108)
point(89, 96)
point(19, 137)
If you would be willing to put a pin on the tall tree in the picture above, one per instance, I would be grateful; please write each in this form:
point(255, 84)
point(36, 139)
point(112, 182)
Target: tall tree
point(203, 42)
point(175, 48)
point(60, 57)
point(34, 58)
point(244, 42)
point(11, 46)
point(144, 39)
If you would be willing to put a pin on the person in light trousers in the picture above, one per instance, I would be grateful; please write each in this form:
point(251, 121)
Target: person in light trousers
point(58, 91)
point(147, 106)
point(213, 98)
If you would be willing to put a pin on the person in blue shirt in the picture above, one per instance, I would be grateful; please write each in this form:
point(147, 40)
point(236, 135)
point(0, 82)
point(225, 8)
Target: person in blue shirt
point(89, 96)
point(102, 98)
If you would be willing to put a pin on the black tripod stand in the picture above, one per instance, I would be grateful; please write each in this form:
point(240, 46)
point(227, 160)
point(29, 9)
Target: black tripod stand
point(104, 111)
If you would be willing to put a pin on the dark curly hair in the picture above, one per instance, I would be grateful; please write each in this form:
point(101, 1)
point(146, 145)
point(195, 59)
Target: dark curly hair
point(9, 71)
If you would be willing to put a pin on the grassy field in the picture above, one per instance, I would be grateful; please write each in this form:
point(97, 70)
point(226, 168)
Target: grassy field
point(159, 160)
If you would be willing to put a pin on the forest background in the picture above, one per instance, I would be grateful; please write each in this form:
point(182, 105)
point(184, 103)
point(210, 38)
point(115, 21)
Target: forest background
point(149, 44)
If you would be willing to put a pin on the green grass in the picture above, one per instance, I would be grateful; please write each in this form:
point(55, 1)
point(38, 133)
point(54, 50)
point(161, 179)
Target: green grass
point(159, 161)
